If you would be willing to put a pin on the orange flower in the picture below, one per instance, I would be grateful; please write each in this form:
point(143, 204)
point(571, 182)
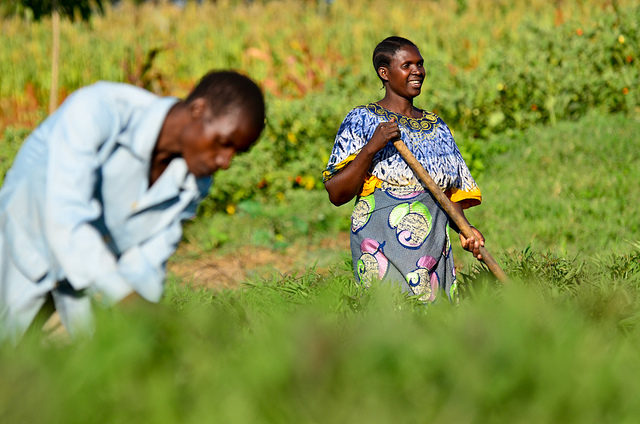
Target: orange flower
point(579, 31)
point(534, 107)
point(298, 179)
point(625, 91)
point(629, 59)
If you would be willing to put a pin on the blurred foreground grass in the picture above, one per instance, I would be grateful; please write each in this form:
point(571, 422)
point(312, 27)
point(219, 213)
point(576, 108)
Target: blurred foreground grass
point(319, 349)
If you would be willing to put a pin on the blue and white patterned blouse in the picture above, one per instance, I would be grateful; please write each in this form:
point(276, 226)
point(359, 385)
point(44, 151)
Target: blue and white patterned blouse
point(428, 138)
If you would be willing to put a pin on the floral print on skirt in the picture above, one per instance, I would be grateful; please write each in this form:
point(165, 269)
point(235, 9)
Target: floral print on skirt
point(401, 235)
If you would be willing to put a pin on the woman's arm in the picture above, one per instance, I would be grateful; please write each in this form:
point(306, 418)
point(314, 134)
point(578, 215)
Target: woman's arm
point(470, 244)
point(347, 183)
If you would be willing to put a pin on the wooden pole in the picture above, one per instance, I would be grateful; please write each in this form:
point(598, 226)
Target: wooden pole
point(448, 207)
point(55, 58)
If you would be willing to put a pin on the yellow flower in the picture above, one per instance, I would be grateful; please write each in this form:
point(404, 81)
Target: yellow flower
point(292, 138)
point(500, 86)
point(621, 39)
point(231, 209)
point(310, 183)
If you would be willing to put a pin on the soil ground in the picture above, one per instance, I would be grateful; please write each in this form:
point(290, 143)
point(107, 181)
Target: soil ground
point(227, 270)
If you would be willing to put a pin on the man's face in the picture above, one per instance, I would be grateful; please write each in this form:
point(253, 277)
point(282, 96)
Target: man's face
point(209, 142)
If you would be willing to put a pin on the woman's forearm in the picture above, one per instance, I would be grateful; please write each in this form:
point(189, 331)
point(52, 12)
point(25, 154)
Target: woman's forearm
point(347, 183)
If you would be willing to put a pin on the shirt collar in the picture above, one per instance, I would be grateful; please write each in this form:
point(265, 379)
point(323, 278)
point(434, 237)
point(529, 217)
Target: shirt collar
point(147, 127)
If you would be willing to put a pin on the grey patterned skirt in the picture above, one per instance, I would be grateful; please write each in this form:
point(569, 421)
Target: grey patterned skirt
point(401, 235)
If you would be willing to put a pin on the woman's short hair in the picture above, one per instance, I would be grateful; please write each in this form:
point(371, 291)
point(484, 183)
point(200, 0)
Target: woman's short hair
point(228, 91)
point(386, 49)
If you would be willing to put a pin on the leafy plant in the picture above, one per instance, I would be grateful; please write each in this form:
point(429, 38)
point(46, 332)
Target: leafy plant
point(56, 8)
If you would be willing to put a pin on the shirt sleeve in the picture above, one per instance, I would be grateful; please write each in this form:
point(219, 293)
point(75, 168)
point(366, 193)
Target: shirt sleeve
point(144, 266)
point(83, 123)
point(464, 190)
point(349, 141)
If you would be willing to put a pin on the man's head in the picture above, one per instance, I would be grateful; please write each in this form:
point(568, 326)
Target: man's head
point(227, 115)
point(227, 92)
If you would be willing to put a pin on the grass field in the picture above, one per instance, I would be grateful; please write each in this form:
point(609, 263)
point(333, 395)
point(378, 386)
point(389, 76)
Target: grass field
point(565, 190)
point(286, 335)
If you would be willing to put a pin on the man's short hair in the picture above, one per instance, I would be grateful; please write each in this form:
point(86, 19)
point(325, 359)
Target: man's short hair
point(228, 91)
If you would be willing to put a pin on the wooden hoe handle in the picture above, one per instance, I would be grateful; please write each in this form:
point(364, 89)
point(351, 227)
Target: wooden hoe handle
point(448, 207)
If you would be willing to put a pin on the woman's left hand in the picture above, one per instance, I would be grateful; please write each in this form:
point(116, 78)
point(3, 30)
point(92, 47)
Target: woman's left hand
point(472, 244)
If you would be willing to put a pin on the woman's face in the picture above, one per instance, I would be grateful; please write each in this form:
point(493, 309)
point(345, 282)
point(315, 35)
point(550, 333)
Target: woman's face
point(405, 73)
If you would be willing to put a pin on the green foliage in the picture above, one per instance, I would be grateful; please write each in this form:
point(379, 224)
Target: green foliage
point(565, 189)
point(536, 75)
point(291, 154)
point(278, 223)
point(11, 141)
point(503, 67)
point(543, 75)
point(625, 267)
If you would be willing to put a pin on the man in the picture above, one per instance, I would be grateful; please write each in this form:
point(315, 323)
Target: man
point(93, 204)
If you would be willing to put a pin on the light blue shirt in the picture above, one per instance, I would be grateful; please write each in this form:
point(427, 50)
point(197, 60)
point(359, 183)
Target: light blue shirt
point(76, 204)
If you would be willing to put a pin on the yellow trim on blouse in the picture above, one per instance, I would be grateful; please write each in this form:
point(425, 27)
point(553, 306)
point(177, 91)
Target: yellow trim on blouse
point(467, 199)
point(328, 173)
point(370, 184)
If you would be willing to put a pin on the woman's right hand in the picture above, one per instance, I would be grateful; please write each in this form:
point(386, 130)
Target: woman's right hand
point(384, 133)
point(347, 183)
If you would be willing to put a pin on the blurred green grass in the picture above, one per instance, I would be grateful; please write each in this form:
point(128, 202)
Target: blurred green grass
point(491, 67)
point(319, 349)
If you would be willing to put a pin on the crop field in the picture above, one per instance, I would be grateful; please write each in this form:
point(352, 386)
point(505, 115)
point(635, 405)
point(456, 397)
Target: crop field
point(262, 320)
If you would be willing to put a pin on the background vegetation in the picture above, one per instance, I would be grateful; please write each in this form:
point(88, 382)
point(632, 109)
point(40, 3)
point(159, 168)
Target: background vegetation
point(544, 102)
point(491, 68)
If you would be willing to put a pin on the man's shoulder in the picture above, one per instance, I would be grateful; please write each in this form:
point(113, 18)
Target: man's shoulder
point(119, 91)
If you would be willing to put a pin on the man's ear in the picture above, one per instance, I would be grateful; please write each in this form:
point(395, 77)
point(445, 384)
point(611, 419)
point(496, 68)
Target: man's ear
point(382, 73)
point(197, 107)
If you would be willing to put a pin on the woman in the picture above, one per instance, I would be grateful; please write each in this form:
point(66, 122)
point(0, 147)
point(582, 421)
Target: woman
point(398, 231)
